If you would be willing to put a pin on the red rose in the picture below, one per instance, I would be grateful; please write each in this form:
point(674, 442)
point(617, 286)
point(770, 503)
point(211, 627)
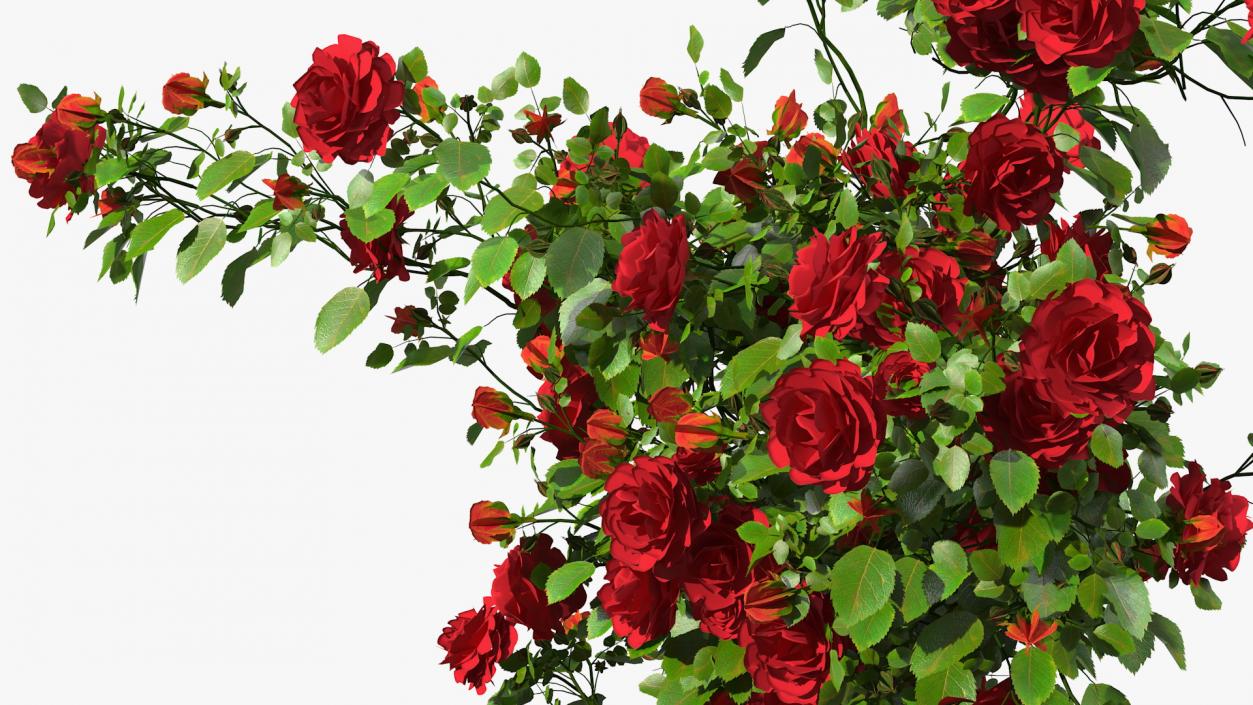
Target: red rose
point(789, 119)
point(879, 157)
point(476, 640)
point(491, 522)
point(1080, 32)
point(1214, 521)
point(566, 425)
point(347, 101)
point(966, 8)
point(696, 431)
point(541, 125)
point(491, 408)
point(977, 251)
point(1000, 694)
point(825, 424)
point(1096, 244)
point(745, 180)
point(715, 589)
point(975, 533)
point(405, 321)
point(184, 94)
point(900, 373)
point(656, 344)
point(1022, 418)
point(641, 607)
point(384, 256)
point(1249, 34)
point(699, 466)
point(1168, 235)
point(942, 283)
point(767, 599)
point(1012, 171)
point(1114, 480)
point(52, 161)
point(79, 111)
point(827, 153)
point(652, 267)
point(792, 662)
point(631, 148)
point(605, 425)
point(109, 200)
point(832, 285)
point(659, 99)
point(425, 112)
point(869, 527)
point(983, 34)
point(1089, 350)
point(652, 515)
point(288, 191)
point(1048, 116)
point(597, 458)
point(668, 404)
point(535, 354)
point(518, 587)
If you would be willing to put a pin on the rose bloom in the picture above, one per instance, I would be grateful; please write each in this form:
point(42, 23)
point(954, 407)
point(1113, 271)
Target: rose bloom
point(827, 153)
point(566, 425)
point(541, 125)
point(109, 200)
point(882, 152)
point(1089, 350)
point(491, 408)
point(792, 662)
point(425, 112)
point(1249, 35)
point(1096, 244)
point(1080, 32)
point(696, 431)
point(52, 161)
point(535, 354)
point(288, 191)
point(789, 119)
point(405, 321)
point(1012, 171)
point(475, 641)
point(1168, 235)
point(832, 285)
point(652, 267)
point(983, 34)
point(825, 422)
point(701, 467)
point(745, 180)
point(184, 94)
point(347, 101)
point(522, 600)
point(1023, 418)
point(605, 425)
point(1214, 521)
point(900, 372)
point(942, 282)
point(640, 606)
point(656, 344)
point(659, 99)
point(383, 256)
point(79, 111)
point(1050, 114)
point(652, 516)
point(715, 590)
point(631, 148)
point(597, 458)
point(975, 533)
point(491, 522)
point(1000, 694)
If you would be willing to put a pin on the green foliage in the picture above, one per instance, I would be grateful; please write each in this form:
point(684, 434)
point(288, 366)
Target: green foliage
point(1015, 477)
point(224, 171)
point(339, 317)
point(861, 583)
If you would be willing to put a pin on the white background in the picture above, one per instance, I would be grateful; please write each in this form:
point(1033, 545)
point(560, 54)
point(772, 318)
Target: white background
point(197, 507)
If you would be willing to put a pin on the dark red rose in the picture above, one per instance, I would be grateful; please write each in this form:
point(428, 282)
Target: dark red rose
point(942, 283)
point(792, 662)
point(1089, 350)
point(288, 191)
point(425, 112)
point(385, 255)
point(541, 125)
point(668, 404)
point(652, 267)
point(631, 148)
point(832, 285)
point(1049, 115)
point(879, 157)
point(652, 515)
point(745, 180)
point(715, 588)
point(983, 34)
point(825, 423)
point(1096, 244)
point(476, 640)
point(184, 94)
point(977, 251)
point(641, 607)
point(52, 161)
point(109, 200)
point(491, 408)
point(491, 522)
point(898, 374)
point(656, 344)
point(79, 111)
point(1214, 523)
point(1114, 480)
point(597, 458)
point(827, 153)
point(789, 119)
point(347, 101)
point(1022, 418)
point(701, 467)
point(518, 587)
point(1000, 694)
point(1080, 32)
point(1012, 171)
point(659, 99)
point(405, 321)
point(1168, 235)
point(767, 599)
point(975, 533)
point(566, 425)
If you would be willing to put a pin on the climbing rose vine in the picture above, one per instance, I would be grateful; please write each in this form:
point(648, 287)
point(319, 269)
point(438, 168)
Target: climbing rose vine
point(868, 420)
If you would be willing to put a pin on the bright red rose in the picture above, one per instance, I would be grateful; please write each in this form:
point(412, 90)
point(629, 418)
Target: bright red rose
point(1214, 523)
point(518, 587)
point(1022, 418)
point(184, 94)
point(983, 34)
point(491, 522)
point(1096, 244)
point(1249, 34)
point(656, 344)
point(652, 267)
point(1080, 32)
point(640, 606)
point(1048, 116)
point(1089, 350)
point(900, 373)
point(699, 466)
point(78, 111)
point(347, 101)
point(832, 285)
point(541, 125)
point(52, 161)
point(1012, 171)
point(1168, 235)
point(288, 191)
point(668, 404)
point(659, 99)
point(491, 408)
point(631, 148)
point(715, 589)
point(879, 157)
point(792, 662)
point(827, 153)
point(535, 354)
point(652, 515)
point(566, 425)
point(597, 458)
point(789, 119)
point(942, 282)
point(425, 112)
point(475, 641)
point(384, 256)
point(825, 423)
point(966, 8)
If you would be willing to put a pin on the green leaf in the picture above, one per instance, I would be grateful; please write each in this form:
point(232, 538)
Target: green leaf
point(1015, 477)
point(873, 629)
point(492, 259)
point(728, 660)
point(760, 46)
point(1152, 529)
point(463, 164)
point(862, 582)
point(1023, 544)
point(1149, 152)
point(914, 600)
point(717, 102)
point(1117, 637)
point(952, 682)
point(527, 274)
point(1034, 676)
point(219, 174)
point(945, 642)
point(148, 233)
point(1047, 598)
point(380, 356)
point(371, 228)
point(1107, 444)
point(1168, 633)
point(260, 214)
point(760, 358)
point(1129, 597)
point(574, 259)
point(924, 344)
point(596, 291)
point(109, 171)
point(978, 107)
point(414, 63)
point(526, 70)
point(950, 564)
point(1232, 50)
point(1166, 40)
point(733, 89)
point(565, 580)
point(385, 189)
point(1101, 694)
point(695, 43)
point(423, 191)
point(339, 317)
point(1084, 78)
point(209, 241)
point(952, 464)
point(1106, 174)
point(33, 98)
point(574, 96)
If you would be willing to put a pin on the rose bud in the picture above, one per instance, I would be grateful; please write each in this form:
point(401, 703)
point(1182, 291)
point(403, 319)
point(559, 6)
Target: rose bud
point(1160, 274)
point(184, 94)
point(597, 458)
point(789, 119)
point(491, 408)
point(1168, 235)
point(288, 191)
point(695, 431)
point(668, 404)
point(491, 522)
point(659, 99)
point(605, 425)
